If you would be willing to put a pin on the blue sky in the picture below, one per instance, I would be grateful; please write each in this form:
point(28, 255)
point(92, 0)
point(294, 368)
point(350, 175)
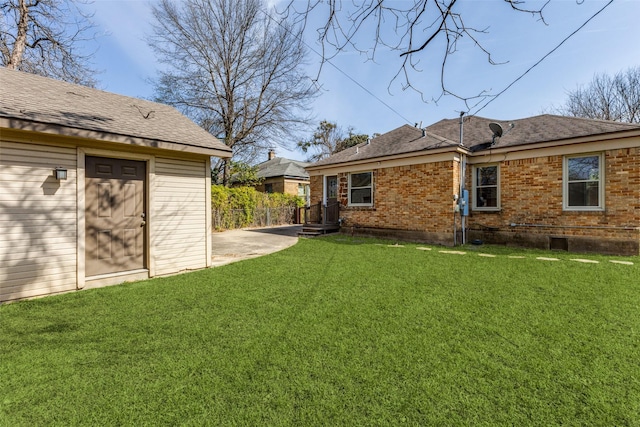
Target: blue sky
point(608, 44)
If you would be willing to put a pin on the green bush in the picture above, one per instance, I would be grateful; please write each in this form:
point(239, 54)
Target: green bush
point(240, 207)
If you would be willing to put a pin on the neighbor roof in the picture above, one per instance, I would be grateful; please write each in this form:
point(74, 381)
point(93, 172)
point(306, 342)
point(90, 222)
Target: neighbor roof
point(477, 136)
point(33, 102)
point(279, 166)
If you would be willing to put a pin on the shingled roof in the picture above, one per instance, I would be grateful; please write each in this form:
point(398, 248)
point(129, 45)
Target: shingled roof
point(38, 103)
point(408, 140)
point(403, 140)
point(279, 166)
point(530, 130)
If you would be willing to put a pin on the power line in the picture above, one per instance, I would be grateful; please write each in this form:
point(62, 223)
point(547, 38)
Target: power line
point(541, 59)
point(367, 90)
point(328, 61)
point(479, 109)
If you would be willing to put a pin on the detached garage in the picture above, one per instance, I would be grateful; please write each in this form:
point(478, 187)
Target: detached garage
point(97, 188)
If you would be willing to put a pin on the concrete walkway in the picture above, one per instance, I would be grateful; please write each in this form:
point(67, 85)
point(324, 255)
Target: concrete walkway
point(236, 245)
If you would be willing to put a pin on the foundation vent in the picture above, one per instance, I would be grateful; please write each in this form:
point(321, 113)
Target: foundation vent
point(558, 243)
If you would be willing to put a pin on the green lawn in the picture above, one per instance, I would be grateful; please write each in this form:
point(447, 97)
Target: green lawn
point(336, 331)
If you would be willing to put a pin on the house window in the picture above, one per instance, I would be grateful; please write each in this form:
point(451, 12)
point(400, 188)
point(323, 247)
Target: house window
point(486, 188)
point(301, 192)
point(361, 189)
point(268, 188)
point(583, 182)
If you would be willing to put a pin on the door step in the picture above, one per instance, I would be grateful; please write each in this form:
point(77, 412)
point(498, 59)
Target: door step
point(313, 230)
point(309, 233)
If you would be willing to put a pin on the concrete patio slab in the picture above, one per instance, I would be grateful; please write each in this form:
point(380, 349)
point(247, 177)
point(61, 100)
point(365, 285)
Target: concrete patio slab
point(236, 245)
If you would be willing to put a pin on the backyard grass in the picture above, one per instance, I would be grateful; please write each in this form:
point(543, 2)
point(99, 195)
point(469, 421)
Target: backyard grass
point(336, 331)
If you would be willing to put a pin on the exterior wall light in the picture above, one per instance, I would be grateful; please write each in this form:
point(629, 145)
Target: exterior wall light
point(60, 173)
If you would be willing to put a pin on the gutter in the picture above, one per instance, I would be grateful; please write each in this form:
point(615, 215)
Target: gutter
point(408, 155)
point(23, 125)
point(602, 137)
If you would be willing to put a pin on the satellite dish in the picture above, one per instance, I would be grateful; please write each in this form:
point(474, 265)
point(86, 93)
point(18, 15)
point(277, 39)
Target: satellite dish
point(496, 129)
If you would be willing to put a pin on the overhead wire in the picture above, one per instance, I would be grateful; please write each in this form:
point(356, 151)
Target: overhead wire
point(328, 61)
point(493, 98)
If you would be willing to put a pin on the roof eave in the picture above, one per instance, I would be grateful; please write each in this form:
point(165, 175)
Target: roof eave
point(454, 148)
point(562, 142)
point(54, 129)
point(302, 178)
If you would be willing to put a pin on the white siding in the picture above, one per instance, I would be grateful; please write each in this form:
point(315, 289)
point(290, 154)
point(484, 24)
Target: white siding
point(38, 233)
point(178, 227)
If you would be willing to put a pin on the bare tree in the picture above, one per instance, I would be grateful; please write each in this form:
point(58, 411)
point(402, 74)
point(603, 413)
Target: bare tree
point(614, 98)
point(45, 37)
point(233, 69)
point(413, 28)
point(329, 139)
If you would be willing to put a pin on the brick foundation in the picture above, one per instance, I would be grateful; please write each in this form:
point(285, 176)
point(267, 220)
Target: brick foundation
point(444, 239)
point(540, 240)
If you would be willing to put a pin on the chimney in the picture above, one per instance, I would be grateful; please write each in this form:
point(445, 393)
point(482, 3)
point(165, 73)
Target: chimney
point(272, 154)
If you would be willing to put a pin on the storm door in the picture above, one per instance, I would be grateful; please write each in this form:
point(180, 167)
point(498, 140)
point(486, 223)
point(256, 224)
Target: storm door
point(115, 215)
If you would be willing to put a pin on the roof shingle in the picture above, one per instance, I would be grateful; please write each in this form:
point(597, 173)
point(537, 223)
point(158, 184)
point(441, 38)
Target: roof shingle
point(530, 130)
point(476, 136)
point(279, 166)
point(405, 139)
point(43, 100)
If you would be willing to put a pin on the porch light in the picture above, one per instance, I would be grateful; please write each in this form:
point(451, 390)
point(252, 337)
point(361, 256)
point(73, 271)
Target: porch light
point(60, 173)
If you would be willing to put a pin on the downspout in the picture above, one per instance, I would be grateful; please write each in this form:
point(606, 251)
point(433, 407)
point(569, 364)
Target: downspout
point(465, 200)
point(463, 167)
point(455, 237)
point(325, 201)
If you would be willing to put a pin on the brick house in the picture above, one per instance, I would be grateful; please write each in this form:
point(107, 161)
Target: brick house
point(282, 175)
point(546, 181)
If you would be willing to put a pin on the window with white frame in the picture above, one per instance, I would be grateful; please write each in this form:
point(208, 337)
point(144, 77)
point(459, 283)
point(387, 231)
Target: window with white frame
point(583, 182)
point(486, 187)
point(361, 189)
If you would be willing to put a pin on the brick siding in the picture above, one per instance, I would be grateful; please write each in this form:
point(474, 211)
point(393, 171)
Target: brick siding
point(531, 194)
point(418, 199)
point(283, 185)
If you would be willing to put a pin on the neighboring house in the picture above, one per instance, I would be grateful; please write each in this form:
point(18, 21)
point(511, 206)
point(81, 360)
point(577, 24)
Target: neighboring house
point(282, 175)
point(547, 182)
point(97, 188)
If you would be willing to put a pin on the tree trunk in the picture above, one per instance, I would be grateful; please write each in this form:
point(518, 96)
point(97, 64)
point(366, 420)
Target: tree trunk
point(226, 171)
point(21, 38)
